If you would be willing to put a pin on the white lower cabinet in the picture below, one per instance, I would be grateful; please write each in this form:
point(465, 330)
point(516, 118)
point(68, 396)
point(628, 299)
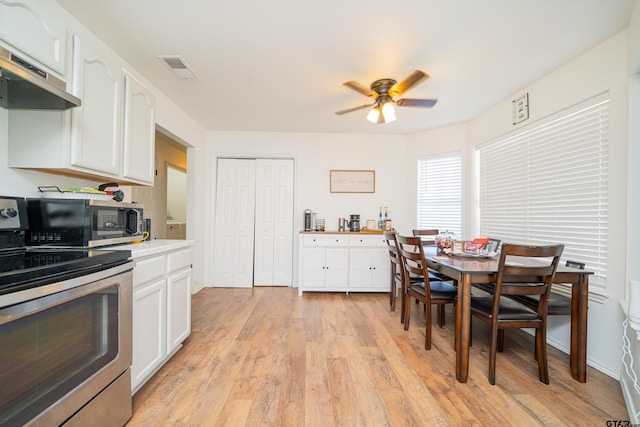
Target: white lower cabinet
point(325, 268)
point(343, 262)
point(178, 308)
point(149, 348)
point(161, 311)
point(369, 267)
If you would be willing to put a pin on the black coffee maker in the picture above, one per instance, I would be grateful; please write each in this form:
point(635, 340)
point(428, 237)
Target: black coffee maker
point(354, 222)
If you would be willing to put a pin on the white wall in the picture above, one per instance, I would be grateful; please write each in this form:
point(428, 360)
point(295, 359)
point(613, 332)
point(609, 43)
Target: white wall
point(601, 69)
point(315, 155)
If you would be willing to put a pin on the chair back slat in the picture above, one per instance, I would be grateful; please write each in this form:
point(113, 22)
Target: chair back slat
point(412, 255)
point(427, 237)
point(527, 270)
point(392, 245)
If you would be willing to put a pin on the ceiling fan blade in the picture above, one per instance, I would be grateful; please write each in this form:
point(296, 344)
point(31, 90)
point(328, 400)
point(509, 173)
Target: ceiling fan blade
point(424, 103)
point(360, 89)
point(414, 79)
point(349, 110)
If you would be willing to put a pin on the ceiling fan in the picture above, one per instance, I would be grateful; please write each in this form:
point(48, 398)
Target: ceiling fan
point(383, 91)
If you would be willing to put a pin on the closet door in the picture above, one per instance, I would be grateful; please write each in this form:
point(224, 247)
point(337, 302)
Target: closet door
point(234, 223)
point(274, 222)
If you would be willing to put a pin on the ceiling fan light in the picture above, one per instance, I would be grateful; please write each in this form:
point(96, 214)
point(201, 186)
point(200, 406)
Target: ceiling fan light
point(373, 115)
point(388, 112)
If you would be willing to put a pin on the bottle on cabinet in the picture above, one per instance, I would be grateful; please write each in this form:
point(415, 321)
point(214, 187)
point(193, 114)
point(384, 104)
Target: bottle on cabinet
point(387, 219)
point(384, 221)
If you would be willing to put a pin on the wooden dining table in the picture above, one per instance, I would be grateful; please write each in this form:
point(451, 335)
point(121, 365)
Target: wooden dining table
point(467, 270)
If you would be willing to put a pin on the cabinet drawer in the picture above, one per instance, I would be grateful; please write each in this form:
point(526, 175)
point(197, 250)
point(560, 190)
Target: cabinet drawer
point(315, 240)
point(378, 241)
point(178, 260)
point(148, 269)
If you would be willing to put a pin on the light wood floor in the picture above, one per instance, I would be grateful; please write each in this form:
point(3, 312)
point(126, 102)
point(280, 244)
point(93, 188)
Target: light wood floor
point(266, 357)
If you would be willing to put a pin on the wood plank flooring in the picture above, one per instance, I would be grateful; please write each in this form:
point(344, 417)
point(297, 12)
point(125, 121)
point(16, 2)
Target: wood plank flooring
point(266, 357)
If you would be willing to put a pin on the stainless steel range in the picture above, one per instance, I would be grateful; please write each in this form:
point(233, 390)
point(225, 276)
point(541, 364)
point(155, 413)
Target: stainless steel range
point(65, 330)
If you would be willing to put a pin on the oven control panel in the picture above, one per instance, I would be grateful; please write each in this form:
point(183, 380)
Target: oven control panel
point(12, 214)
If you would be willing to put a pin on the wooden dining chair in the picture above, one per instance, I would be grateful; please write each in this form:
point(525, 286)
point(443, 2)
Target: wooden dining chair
point(396, 268)
point(522, 270)
point(397, 274)
point(427, 291)
point(428, 238)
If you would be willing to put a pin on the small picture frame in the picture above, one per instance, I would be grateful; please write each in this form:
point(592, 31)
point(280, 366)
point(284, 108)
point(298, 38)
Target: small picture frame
point(457, 247)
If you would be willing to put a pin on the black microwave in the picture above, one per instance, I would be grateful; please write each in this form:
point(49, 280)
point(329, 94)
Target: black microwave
point(82, 222)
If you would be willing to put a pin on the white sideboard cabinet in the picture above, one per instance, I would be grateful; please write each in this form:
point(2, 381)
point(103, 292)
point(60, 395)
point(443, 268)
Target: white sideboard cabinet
point(343, 262)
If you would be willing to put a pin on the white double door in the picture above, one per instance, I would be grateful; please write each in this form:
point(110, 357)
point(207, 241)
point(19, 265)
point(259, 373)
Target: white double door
point(254, 223)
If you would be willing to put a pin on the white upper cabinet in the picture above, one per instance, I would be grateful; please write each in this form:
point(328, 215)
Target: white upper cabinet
point(139, 132)
point(35, 30)
point(96, 133)
point(111, 136)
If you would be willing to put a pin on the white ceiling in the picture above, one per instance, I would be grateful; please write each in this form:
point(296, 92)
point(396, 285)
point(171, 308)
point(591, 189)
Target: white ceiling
point(279, 65)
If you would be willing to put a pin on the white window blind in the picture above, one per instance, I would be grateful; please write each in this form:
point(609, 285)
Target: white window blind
point(549, 184)
point(440, 193)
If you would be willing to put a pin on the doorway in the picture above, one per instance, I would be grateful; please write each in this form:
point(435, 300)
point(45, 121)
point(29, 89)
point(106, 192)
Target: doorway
point(159, 206)
point(176, 202)
point(253, 243)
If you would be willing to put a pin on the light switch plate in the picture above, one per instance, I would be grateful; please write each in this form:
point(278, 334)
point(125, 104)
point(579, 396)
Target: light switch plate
point(520, 108)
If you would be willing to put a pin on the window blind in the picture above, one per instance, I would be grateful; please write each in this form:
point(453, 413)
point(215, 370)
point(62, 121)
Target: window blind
point(440, 193)
point(549, 184)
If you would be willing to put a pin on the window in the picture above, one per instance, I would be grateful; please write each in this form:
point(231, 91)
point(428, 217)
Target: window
point(549, 184)
point(440, 193)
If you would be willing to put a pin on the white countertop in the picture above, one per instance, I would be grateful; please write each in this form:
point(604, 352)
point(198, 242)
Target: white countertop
point(153, 247)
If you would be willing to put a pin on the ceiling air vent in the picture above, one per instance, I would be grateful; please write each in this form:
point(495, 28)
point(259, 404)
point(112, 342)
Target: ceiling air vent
point(179, 67)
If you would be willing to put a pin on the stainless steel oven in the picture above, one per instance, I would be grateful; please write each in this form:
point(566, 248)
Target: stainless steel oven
point(65, 331)
point(66, 345)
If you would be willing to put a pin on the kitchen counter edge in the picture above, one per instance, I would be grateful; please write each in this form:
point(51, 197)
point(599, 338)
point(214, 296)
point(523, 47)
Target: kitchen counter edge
point(153, 247)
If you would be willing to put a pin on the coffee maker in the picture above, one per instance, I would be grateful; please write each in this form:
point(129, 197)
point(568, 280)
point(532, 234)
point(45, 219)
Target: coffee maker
point(308, 223)
point(354, 222)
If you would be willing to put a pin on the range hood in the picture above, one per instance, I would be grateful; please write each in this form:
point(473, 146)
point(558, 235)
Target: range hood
point(27, 87)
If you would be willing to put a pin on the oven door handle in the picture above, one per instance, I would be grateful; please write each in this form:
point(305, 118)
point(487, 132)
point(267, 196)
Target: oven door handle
point(22, 303)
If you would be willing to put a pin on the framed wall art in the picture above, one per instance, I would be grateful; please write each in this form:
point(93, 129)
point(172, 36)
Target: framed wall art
point(352, 181)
